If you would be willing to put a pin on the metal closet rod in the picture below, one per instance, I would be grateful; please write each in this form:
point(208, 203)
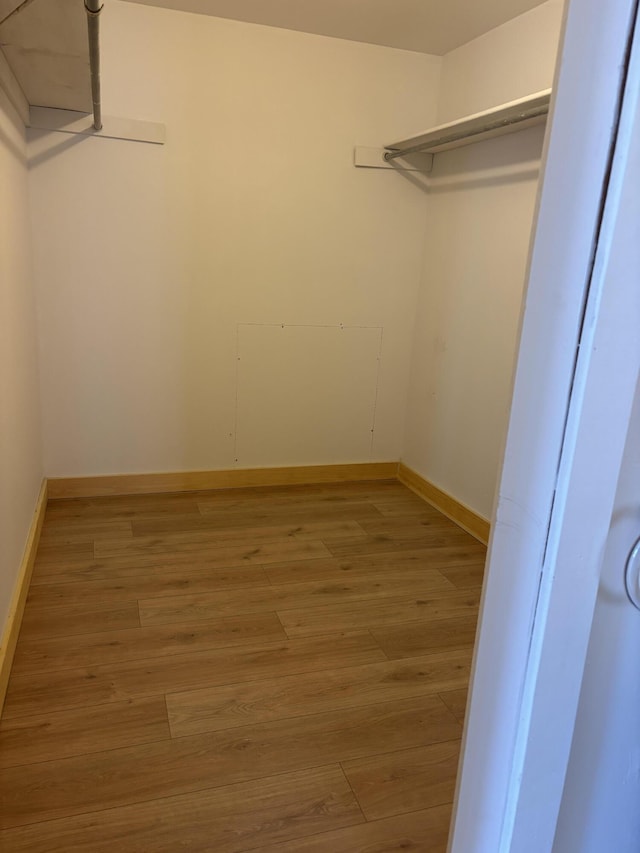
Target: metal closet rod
point(452, 136)
point(93, 9)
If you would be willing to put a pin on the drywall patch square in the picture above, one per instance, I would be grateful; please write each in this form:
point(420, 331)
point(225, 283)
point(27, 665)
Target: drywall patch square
point(306, 394)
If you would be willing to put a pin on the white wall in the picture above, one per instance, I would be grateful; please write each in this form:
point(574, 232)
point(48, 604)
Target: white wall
point(151, 260)
point(147, 258)
point(20, 455)
point(513, 60)
point(480, 211)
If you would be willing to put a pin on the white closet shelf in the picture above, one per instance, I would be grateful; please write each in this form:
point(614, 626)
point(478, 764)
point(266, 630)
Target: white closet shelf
point(506, 118)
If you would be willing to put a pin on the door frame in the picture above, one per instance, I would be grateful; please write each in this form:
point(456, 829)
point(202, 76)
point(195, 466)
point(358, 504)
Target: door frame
point(572, 395)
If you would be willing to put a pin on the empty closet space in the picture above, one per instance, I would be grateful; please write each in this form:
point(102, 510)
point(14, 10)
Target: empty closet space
point(255, 378)
point(242, 296)
point(226, 670)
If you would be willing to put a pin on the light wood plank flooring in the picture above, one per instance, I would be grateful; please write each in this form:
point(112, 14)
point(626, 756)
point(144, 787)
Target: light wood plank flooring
point(275, 669)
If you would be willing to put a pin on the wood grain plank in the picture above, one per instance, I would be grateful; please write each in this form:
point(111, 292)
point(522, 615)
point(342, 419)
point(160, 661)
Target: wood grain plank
point(229, 706)
point(239, 555)
point(401, 505)
point(77, 618)
point(404, 539)
point(288, 571)
point(45, 737)
point(82, 531)
point(423, 558)
point(187, 608)
point(55, 789)
point(178, 524)
point(205, 560)
point(297, 514)
point(425, 637)
point(229, 819)
point(465, 577)
point(352, 615)
point(112, 568)
point(108, 647)
point(95, 685)
point(291, 497)
point(404, 781)
point(429, 520)
point(199, 540)
point(425, 831)
point(90, 767)
point(138, 507)
point(150, 585)
point(456, 702)
point(60, 552)
point(222, 525)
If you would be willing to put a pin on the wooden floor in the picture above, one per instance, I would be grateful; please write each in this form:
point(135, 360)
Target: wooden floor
point(268, 669)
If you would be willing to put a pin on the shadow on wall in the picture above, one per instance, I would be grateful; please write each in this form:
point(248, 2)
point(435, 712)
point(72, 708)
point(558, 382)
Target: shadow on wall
point(6, 141)
point(70, 141)
point(491, 163)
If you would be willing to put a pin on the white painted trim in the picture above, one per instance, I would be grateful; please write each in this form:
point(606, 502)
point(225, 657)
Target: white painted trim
point(12, 89)
point(575, 167)
point(600, 410)
point(68, 121)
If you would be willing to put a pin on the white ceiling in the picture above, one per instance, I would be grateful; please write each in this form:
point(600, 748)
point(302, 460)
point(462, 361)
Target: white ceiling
point(427, 26)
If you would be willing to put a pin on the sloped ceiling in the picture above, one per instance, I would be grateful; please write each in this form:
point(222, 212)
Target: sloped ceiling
point(426, 26)
point(45, 43)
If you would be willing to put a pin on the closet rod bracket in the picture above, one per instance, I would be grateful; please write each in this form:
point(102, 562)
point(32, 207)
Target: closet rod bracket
point(373, 158)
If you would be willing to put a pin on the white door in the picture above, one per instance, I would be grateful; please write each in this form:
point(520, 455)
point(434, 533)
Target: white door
point(601, 803)
point(576, 375)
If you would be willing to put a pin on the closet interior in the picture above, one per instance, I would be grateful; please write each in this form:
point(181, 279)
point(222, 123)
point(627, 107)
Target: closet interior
point(262, 271)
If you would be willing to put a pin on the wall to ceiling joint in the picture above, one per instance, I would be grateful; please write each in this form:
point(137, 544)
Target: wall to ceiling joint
point(425, 26)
